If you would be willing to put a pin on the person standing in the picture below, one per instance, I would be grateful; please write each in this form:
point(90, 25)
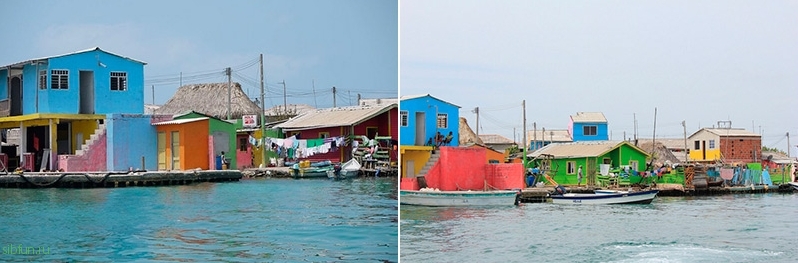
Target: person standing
point(579, 176)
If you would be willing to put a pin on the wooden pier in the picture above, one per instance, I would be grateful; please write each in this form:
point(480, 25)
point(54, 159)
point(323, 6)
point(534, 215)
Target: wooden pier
point(114, 179)
point(541, 194)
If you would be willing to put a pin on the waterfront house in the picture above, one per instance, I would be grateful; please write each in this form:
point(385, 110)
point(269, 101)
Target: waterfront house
point(539, 138)
point(421, 118)
point(193, 140)
point(568, 157)
point(497, 142)
point(588, 126)
point(729, 145)
point(424, 116)
point(68, 113)
point(351, 123)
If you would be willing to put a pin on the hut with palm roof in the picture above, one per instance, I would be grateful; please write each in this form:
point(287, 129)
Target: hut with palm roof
point(467, 135)
point(210, 99)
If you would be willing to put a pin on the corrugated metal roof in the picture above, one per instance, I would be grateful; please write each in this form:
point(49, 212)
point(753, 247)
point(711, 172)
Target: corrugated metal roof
point(731, 132)
point(495, 139)
point(549, 136)
point(588, 117)
point(180, 121)
point(334, 117)
point(410, 97)
point(579, 149)
point(72, 53)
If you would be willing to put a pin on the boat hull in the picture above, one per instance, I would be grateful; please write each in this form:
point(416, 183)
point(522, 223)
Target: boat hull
point(643, 197)
point(457, 198)
point(794, 185)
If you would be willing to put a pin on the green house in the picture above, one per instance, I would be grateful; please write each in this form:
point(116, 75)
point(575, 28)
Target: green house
point(594, 157)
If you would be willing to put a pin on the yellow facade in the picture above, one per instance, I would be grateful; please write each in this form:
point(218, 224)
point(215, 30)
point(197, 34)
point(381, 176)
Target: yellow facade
point(413, 157)
point(704, 146)
point(82, 130)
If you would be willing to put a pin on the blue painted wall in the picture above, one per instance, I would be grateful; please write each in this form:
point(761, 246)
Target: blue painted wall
point(601, 132)
point(431, 106)
point(131, 136)
point(3, 83)
point(68, 100)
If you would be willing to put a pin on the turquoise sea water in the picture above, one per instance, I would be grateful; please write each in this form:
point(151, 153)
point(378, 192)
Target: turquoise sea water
point(730, 228)
point(264, 220)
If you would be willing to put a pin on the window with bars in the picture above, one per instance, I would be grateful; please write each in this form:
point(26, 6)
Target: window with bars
point(119, 81)
point(42, 79)
point(443, 121)
point(59, 79)
point(403, 118)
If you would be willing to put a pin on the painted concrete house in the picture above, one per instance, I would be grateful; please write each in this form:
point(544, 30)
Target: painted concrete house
point(351, 122)
point(539, 138)
point(58, 103)
point(588, 126)
point(424, 116)
point(568, 157)
point(497, 142)
point(194, 140)
point(729, 145)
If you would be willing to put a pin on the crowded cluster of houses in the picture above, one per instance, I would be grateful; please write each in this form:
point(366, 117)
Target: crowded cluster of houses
point(584, 143)
point(85, 111)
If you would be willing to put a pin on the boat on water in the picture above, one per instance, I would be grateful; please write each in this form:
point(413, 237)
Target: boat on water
point(794, 185)
point(305, 169)
point(428, 197)
point(619, 197)
point(349, 169)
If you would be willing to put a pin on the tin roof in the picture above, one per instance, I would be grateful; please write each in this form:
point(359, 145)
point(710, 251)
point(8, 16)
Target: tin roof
point(580, 149)
point(67, 54)
point(495, 139)
point(334, 117)
point(182, 121)
point(588, 117)
point(549, 136)
point(730, 132)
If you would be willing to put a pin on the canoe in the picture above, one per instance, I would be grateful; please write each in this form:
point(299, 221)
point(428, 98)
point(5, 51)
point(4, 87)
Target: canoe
point(642, 197)
point(458, 198)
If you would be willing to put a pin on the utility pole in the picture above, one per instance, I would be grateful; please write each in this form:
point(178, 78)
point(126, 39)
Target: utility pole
point(358, 99)
point(349, 96)
point(523, 159)
point(333, 96)
point(686, 156)
point(634, 115)
point(314, 94)
point(229, 71)
point(476, 110)
point(262, 117)
point(534, 135)
point(654, 140)
point(153, 94)
point(788, 156)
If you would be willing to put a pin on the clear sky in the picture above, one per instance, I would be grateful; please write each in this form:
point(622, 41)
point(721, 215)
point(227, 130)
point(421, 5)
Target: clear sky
point(349, 44)
point(697, 61)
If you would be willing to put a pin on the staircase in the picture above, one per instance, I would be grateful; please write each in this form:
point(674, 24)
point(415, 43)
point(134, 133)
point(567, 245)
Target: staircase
point(433, 158)
point(92, 139)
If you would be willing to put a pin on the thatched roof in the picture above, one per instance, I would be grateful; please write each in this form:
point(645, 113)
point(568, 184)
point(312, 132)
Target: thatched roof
point(210, 99)
point(467, 136)
point(660, 153)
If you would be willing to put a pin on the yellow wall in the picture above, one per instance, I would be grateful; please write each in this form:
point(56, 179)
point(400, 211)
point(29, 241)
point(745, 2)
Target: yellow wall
point(257, 152)
point(86, 127)
point(702, 137)
point(418, 154)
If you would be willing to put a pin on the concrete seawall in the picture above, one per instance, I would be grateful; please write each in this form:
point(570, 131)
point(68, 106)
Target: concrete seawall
point(114, 179)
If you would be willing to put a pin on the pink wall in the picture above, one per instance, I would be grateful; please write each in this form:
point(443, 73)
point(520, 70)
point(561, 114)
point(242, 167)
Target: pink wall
point(94, 159)
point(462, 168)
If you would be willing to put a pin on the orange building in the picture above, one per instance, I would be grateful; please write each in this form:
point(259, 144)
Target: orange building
point(183, 144)
point(490, 154)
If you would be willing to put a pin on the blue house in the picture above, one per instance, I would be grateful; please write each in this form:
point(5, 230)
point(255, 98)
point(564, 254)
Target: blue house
point(59, 104)
point(421, 117)
point(588, 126)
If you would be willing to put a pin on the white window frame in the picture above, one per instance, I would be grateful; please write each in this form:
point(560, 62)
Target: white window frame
point(712, 144)
point(121, 77)
point(442, 121)
point(403, 115)
point(634, 165)
point(59, 79)
point(570, 167)
point(42, 79)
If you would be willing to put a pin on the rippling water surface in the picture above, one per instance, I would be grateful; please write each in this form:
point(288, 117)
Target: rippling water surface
point(262, 220)
point(731, 228)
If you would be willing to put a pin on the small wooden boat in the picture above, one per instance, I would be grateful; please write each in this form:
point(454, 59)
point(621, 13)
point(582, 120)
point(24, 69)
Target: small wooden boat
point(608, 191)
point(642, 197)
point(794, 185)
point(349, 169)
point(457, 198)
point(315, 170)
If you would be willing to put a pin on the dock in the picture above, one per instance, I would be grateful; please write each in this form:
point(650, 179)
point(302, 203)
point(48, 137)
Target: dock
point(114, 179)
point(541, 194)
